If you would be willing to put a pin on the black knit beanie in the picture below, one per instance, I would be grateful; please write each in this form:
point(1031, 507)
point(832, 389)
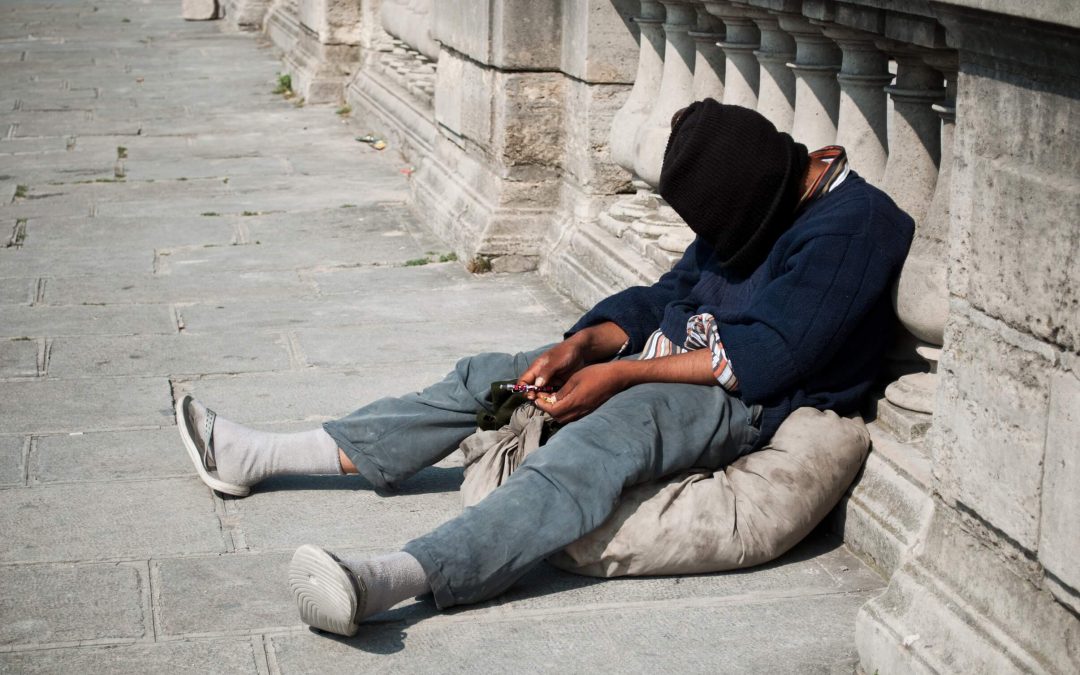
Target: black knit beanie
point(733, 178)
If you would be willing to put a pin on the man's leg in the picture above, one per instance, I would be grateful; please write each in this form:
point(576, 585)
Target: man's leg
point(393, 438)
point(386, 441)
point(569, 486)
point(563, 490)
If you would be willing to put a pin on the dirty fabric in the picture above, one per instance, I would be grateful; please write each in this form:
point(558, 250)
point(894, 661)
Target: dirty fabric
point(745, 514)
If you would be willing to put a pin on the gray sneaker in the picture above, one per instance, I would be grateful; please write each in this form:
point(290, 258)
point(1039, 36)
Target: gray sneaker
point(328, 595)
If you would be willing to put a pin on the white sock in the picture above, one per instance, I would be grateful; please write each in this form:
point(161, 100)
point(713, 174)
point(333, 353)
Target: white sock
point(389, 579)
point(245, 456)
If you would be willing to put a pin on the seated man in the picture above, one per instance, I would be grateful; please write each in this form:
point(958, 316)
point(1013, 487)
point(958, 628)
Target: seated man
point(781, 301)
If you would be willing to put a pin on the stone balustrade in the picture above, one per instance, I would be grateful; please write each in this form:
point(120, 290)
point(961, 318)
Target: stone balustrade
point(536, 130)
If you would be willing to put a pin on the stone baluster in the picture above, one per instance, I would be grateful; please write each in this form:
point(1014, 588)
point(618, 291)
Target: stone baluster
point(635, 111)
point(741, 38)
point(776, 91)
point(817, 92)
point(676, 90)
point(632, 114)
point(915, 131)
point(709, 63)
point(922, 297)
point(862, 122)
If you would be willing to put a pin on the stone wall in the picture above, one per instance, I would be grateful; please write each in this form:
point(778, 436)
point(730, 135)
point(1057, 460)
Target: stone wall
point(536, 129)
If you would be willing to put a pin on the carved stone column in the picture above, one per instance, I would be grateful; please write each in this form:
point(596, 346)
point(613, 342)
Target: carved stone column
point(741, 38)
point(862, 122)
point(628, 120)
point(922, 298)
point(817, 93)
point(635, 111)
point(676, 90)
point(776, 92)
point(915, 133)
point(709, 64)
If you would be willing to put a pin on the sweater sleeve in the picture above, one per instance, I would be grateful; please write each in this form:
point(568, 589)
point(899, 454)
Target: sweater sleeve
point(638, 310)
point(801, 318)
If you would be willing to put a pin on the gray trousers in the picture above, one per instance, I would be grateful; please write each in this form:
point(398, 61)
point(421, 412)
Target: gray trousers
point(563, 490)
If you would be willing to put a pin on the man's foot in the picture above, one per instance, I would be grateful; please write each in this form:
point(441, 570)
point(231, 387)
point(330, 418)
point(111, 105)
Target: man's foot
point(196, 424)
point(329, 596)
point(334, 595)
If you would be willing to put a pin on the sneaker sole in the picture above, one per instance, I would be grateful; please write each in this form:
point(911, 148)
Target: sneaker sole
point(326, 595)
point(211, 481)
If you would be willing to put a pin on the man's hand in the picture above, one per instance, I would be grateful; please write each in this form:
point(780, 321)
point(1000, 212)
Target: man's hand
point(555, 365)
point(584, 392)
point(558, 364)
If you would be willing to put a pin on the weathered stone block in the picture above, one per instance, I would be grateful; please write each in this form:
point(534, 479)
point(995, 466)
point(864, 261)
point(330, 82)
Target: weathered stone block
point(990, 422)
point(529, 122)
point(1059, 534)
point(964, 606)
point(508, 34)
point(599, 40)
point(50, 604)
point(464, 95)
point(1016, 202)
point(199, 10)
point(589, 112)
point(332, 21)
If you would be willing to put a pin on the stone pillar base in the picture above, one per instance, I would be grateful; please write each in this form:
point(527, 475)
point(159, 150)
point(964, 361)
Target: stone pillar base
point(320, 71)
point(889, 506)
point(932, 619)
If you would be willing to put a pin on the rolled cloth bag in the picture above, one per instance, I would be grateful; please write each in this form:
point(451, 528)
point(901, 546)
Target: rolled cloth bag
point(745, 514)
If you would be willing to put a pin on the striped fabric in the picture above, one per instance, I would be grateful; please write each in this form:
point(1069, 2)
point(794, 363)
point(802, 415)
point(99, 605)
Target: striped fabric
point(701, 333)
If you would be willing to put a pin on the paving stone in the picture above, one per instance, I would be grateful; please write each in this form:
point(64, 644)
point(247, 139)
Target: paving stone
point(285, 256)
point(19, 357)
point(240, 592)
point(352, 346)
point(51, 406)
point(311, 394)
point(371, 280)
point(649, 637)
point(196, 657)
point(52, 321)
point(167, 355)
point(340, 512)
point(45, 604)
point(106, 521)
point(800, 571)
point(132, 232)
point(199, 167)
point(11, 460)
point(188, 288)
point(96, 259)
point(109, 455)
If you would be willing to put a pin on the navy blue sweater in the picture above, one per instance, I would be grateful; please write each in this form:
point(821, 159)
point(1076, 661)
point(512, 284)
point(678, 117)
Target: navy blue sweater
point(809, 326)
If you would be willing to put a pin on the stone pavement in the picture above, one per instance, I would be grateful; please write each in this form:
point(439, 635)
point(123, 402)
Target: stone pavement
point(170, 225)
